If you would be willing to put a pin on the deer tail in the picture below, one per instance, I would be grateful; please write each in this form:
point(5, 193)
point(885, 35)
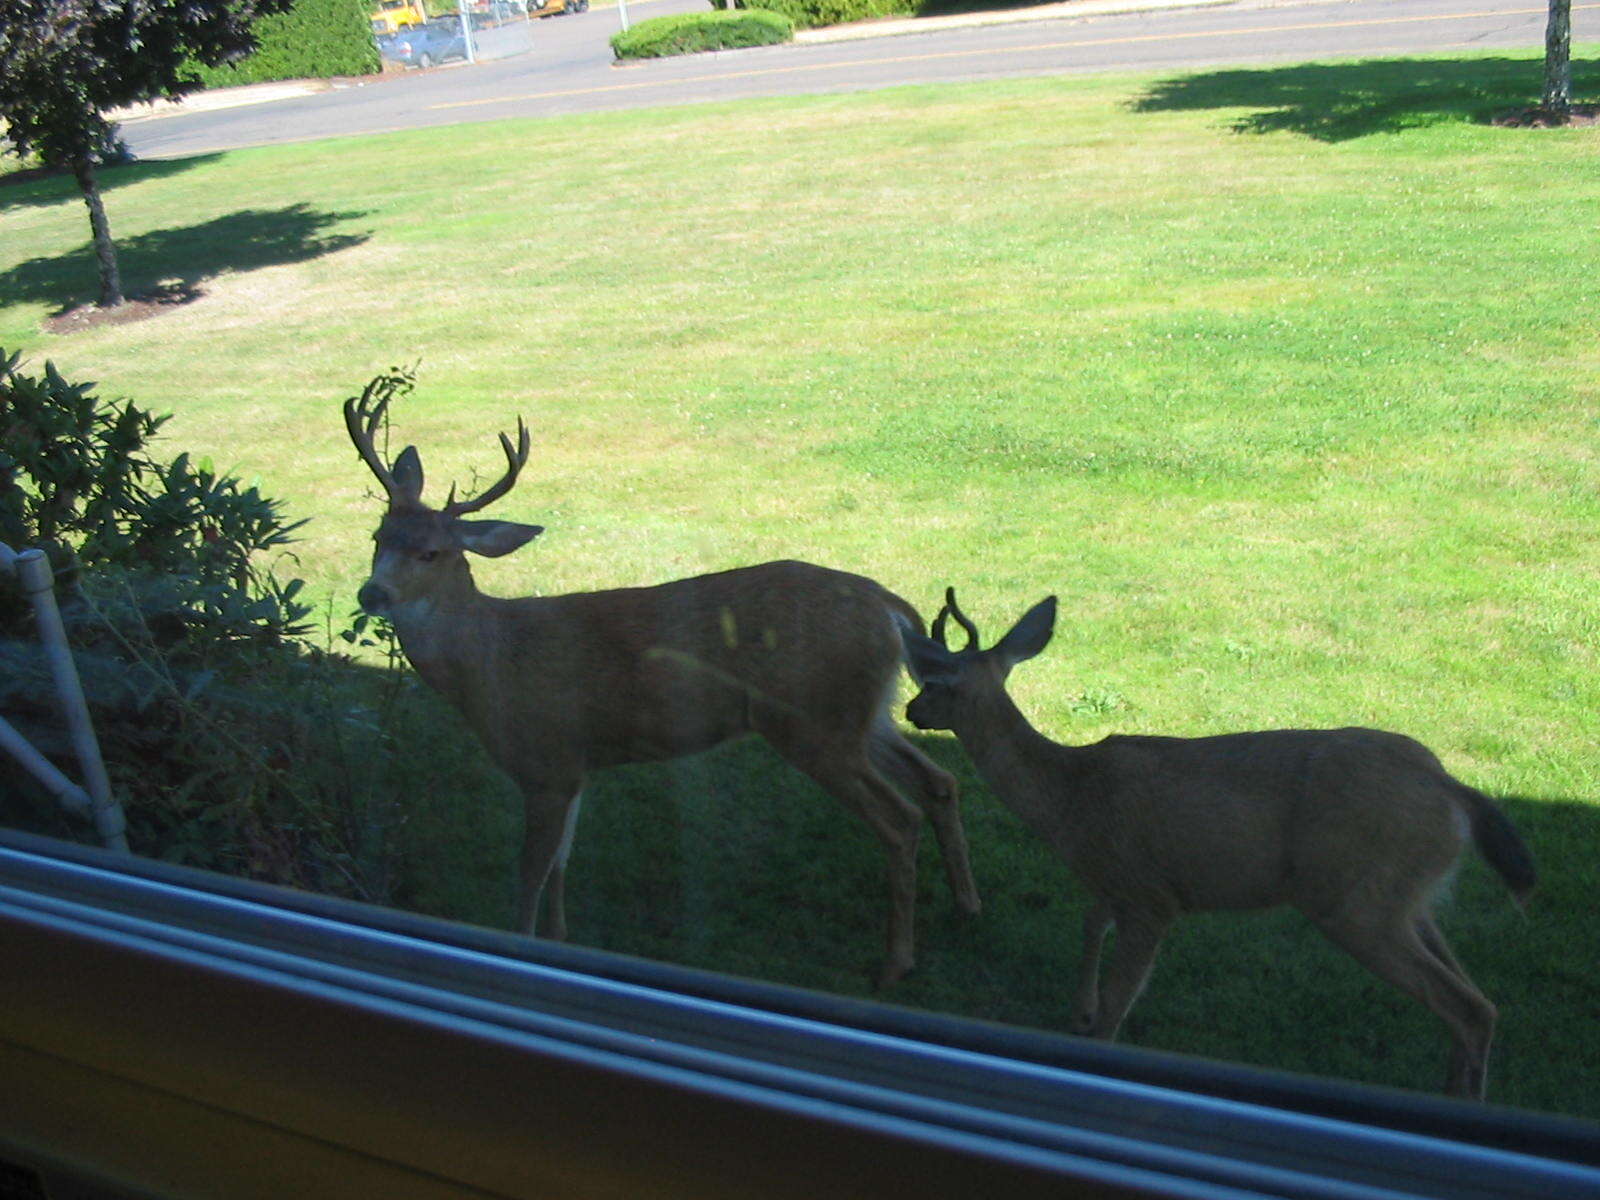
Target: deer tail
point(903, 613)
point(1499, 842)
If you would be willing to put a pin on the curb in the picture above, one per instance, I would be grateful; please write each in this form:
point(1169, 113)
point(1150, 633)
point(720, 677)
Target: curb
point(216, 98)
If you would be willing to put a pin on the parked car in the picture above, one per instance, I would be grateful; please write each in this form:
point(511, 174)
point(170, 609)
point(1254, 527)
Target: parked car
point(424, 45)
point(554, 8)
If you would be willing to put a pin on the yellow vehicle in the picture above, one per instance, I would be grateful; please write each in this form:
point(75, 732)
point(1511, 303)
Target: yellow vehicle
point(554, 8)
point(393, 15)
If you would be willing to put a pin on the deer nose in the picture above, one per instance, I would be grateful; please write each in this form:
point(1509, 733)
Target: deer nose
point(372, 598)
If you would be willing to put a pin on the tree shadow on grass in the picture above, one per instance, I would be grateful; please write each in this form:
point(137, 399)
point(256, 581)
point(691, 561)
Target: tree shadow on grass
point(177, 261)
point(1335, 102)
point(33, 187)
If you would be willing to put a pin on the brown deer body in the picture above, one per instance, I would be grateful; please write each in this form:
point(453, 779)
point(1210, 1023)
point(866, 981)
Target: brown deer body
point(1354, 827)
point(804, 656)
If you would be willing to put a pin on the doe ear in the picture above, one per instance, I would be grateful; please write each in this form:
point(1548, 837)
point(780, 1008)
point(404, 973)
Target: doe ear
point(1029, 635)
point(494, 538)
point(407, 472)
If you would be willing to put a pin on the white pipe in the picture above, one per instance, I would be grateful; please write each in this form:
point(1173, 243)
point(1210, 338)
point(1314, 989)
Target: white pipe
point(33, 569)
point(72, 797)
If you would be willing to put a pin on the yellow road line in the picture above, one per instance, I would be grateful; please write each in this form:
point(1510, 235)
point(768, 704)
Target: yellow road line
point(943, 54)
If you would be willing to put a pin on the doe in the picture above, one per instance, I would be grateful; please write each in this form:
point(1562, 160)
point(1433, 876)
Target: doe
point(805, 656)
point(1354, 827)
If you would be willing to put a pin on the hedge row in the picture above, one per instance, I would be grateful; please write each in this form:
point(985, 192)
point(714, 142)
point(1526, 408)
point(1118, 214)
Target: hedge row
point(690, 33)
point(808, 14)
point(316, 39)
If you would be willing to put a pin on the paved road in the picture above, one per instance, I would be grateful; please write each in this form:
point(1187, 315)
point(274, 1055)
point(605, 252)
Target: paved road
point(570, 70)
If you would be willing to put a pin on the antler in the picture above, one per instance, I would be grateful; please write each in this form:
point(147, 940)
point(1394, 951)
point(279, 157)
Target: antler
point(951, 610)
point(362, 416)
point(515, 459)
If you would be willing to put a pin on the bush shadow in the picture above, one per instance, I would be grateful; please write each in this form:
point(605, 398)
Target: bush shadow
point(1336, 102)
point(34, 187)
point(178, 260)
point(295, 766)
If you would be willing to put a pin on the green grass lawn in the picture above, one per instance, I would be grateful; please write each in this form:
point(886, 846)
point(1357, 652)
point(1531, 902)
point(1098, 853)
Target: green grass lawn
point(1286, 382)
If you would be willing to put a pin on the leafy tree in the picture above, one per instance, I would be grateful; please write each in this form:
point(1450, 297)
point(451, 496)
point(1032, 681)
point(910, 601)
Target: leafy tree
point(65, 63)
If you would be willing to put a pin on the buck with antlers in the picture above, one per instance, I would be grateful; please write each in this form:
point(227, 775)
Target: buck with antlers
point(805, 656)
point(1354, 827)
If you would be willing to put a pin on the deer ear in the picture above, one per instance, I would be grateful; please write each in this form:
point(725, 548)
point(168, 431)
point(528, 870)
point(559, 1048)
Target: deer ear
point(924, 656)
point(407, 473)
point(494, 538)
point(1029, 635)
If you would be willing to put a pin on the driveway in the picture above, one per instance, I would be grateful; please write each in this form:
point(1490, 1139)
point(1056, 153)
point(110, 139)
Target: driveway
point(570, 68)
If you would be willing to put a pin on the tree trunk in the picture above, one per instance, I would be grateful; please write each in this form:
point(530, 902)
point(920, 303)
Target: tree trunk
point(105, 251)
point(1558, 59)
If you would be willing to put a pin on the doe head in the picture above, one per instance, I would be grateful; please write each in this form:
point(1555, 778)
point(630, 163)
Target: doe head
point(953, 681)
point(420, 552)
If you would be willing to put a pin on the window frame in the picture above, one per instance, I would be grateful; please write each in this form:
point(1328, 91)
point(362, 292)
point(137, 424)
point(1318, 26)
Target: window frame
point(178, 1030)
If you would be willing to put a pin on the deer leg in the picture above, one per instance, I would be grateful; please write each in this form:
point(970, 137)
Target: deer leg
point(1096, 922)
point(555, 884)
point(550, 818)
point(899, 827)
point(1433, 939)
point(1138, 938)
point(1465, 1076)
point(846, 774)
point(939, 796)
point(1421, 965)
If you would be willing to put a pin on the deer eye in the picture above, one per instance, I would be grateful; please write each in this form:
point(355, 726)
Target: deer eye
point(427, 556)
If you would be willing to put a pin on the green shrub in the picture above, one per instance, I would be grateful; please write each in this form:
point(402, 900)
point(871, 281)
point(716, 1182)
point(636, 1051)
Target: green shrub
point(77, 481)
point(808, 14)
point(316, 39)
point(690, 33)
point(160, 588)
